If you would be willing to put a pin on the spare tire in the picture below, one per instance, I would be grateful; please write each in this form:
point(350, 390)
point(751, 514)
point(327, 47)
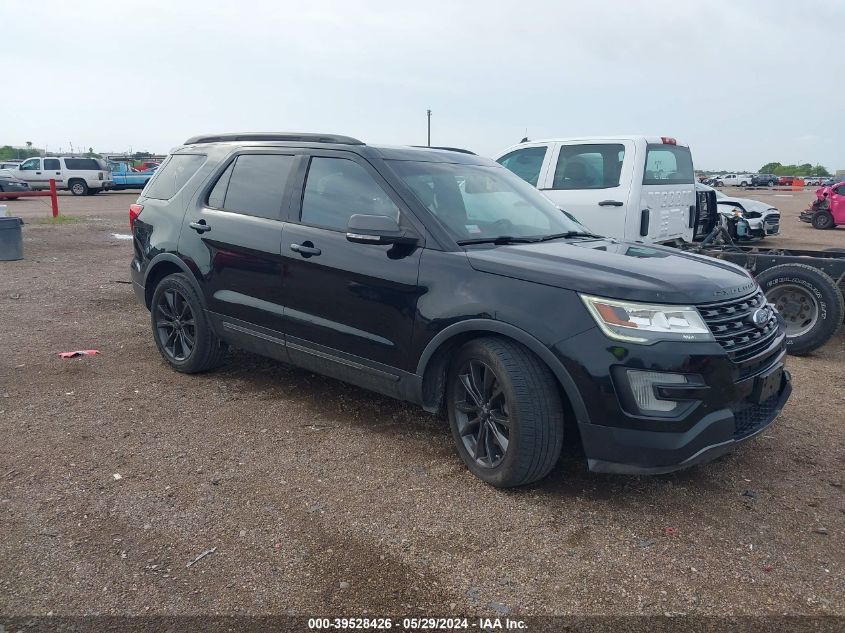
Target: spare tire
point(808, 300)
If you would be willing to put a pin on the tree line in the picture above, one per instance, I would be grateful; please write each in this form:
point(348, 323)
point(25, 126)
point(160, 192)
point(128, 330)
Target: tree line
point(794, 170)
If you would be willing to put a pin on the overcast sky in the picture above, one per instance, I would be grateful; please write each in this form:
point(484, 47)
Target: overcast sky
point(743, 82)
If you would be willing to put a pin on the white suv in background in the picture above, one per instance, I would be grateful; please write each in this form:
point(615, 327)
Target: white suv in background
point(82, 176)
point(632, 188)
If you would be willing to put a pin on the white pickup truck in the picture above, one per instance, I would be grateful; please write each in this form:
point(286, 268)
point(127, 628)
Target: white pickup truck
point(632, 188)
point(737, 180)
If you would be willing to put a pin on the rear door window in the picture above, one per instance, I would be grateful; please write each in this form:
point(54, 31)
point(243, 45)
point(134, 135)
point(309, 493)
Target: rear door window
point(668, 165)
point(171, 177)
point(254, 184)
point(589, 166)
point(52, 163)
point(525, 163)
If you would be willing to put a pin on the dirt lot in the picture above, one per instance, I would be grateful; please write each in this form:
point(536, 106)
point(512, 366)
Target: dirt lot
point(321, 498)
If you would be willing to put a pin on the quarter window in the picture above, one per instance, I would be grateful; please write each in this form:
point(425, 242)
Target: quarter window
point(254, 184)
point(84, 164)
point(338, 188)
point(590, 166)
point(525, 163)
point(173, 175)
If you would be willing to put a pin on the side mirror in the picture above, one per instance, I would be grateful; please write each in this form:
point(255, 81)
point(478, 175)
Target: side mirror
point(377, 229)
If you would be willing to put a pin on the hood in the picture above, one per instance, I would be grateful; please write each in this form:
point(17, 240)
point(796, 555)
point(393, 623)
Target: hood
point(617, 270)
point(747, 204)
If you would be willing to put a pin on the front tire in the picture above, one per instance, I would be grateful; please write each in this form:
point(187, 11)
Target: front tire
point(79, 188)
point(823, 220)
point(505, 412)
point(181, 329)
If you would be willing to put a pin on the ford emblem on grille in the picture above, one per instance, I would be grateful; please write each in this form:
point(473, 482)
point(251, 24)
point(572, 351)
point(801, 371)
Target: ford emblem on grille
point(760, 317)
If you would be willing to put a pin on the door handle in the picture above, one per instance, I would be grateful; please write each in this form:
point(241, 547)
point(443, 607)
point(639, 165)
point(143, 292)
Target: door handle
point(200, 227)
point(38, 173)
point(610, 203)
point(306, 249)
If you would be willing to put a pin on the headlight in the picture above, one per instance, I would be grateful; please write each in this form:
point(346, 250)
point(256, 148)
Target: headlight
point(644, 323)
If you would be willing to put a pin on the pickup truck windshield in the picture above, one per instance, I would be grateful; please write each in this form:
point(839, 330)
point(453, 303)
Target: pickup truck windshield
point(477, 202)
point(668, 165)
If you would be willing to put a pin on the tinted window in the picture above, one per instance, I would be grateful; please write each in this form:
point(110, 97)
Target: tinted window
point(589, 166)
point(338, 188)
point(840, 190)
point(32, 164)
point(88, 164)
point(669, 164)
point(173, 175)
point(218, 192)
point(52, 163)
point(256, 185)
point(525, 163)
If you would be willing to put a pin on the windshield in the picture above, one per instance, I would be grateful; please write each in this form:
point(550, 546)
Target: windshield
point(478, 202)
point(668, 165)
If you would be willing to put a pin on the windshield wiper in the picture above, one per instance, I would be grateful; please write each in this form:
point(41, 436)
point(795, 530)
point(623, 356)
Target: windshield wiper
point(501, 239)
point(567, 235)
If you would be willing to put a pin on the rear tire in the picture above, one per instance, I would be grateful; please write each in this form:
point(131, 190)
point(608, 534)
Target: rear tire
point(505, 412)
point(823, 220)
point(809, 301)
point(181, 329)
point(78, 187)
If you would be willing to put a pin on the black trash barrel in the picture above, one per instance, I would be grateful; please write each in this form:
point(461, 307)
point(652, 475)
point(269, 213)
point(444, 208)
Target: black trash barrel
point(11, 239)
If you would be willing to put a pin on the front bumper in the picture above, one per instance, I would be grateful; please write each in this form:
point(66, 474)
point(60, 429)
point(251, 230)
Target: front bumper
point(659, 453)
point(725, 410)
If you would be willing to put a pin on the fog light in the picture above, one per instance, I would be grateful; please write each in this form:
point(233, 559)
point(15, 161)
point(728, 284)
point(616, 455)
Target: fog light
point(643, 383)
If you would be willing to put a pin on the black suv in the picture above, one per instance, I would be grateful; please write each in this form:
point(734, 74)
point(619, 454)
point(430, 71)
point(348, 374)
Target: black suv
point(441, 278)
point(764, 180)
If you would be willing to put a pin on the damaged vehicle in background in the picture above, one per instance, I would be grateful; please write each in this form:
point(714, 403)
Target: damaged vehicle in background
point(763, 219)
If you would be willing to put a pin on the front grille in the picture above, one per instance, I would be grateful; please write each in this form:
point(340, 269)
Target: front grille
point(750, 420)
point(731, 325)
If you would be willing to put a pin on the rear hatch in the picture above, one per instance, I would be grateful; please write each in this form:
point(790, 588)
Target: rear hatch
point(668, 192)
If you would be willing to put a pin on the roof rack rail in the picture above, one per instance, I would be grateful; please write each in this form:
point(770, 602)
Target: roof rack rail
point(280, 136)
point(460, 150)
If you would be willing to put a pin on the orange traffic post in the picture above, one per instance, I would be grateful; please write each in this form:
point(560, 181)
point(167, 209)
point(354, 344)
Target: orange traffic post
point(54, 199)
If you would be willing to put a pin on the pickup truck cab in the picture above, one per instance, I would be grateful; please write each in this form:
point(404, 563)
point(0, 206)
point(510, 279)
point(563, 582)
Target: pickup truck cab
point(127, 178)
point(82, 176)
point(737, 180)
point(633, 188)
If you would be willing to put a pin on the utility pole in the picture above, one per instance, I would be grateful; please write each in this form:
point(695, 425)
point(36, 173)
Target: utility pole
point(428, 114)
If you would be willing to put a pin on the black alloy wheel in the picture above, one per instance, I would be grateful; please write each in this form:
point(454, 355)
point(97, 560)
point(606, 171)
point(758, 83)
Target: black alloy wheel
point(481, 413)
point(175, 325)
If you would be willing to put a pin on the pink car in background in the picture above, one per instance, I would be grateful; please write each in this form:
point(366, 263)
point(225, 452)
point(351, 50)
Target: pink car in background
point(828, 210)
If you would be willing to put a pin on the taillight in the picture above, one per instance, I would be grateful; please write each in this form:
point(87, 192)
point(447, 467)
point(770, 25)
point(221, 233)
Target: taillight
point(668, 140)
point(134, 212)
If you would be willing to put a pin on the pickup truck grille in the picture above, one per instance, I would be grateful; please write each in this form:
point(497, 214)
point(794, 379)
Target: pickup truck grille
point(731, 325)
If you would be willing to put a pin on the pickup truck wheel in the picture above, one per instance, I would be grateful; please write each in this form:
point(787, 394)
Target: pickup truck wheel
point(823, 220)
point(181, 329)
point(809, 302)
point(78, 188)
point(743, 184)
point(505, 412)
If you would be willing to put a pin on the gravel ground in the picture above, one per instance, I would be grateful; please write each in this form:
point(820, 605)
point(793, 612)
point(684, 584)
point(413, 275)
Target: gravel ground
point(322, 498)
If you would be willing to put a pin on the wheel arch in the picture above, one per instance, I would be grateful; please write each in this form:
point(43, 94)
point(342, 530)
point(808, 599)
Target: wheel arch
point(435, 358)
point(161, 266)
